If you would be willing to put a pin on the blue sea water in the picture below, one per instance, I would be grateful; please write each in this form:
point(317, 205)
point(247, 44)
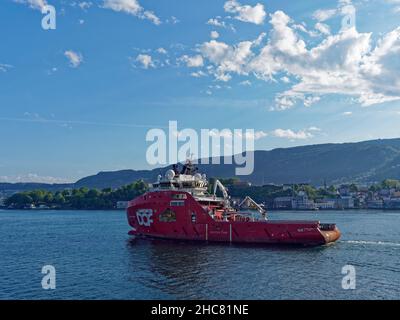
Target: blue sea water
point(96, 259)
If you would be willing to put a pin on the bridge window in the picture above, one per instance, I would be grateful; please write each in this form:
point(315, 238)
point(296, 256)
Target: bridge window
point(168, 216)
point(177, 203)
point(179, 196)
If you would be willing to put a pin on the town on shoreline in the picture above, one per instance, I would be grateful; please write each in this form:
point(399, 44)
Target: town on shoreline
point(298, 196)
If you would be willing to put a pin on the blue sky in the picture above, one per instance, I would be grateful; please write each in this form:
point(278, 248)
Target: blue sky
point(79, 99)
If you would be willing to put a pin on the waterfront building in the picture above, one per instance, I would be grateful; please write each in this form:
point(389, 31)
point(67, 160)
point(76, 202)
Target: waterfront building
point(346, 202)
point(283, 203)
point(344, 190)
point(302, 202)
point(326, 204)
point(396, 194)
point(393, 203)
point(375, 204)
point(122, 204)
point(384, 193)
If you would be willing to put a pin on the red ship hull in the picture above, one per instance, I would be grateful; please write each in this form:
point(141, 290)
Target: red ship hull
point(157, 215)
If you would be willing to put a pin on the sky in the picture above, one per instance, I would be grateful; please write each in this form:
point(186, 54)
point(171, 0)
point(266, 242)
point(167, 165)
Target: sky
point(80, 98)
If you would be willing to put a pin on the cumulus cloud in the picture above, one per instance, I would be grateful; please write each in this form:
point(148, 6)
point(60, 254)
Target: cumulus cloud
point(192, 62)
point(133, 8)
point(292, 135)
point(323, 15)
point(302, 28)
point(162, 51)
point(214, 35)
point(285, 79)
point(323, 28)
point(75, 58)
point(227, 59)
point(246, 13)
point(216, 22)
point(34, 4)
point(145, 60)
point(346, 63)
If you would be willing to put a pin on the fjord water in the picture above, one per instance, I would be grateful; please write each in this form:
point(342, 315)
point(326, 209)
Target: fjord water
point(96, 259)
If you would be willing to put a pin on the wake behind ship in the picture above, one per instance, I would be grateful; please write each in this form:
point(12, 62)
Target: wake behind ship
point(180, 207)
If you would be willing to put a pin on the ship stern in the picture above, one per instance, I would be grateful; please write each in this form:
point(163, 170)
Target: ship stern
point(330, 232)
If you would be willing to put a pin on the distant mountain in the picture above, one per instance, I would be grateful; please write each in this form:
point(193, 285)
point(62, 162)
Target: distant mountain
point(27, 186)
point(360, 162)
point(115, 179)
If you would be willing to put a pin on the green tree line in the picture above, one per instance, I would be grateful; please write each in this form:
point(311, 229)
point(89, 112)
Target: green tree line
point(82, 198)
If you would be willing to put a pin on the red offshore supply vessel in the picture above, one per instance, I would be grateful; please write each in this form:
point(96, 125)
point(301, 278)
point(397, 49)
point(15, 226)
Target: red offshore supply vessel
point(180, 207)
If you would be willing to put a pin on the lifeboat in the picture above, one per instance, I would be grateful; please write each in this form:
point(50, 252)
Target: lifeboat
point(180, 206)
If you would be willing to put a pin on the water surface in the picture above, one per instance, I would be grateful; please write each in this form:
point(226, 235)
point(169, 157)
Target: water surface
point(96, 259)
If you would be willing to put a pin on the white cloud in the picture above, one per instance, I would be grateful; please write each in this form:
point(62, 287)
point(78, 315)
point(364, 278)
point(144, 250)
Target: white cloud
point(173, 20)
point(292, 135)
point(32, 178)
point(84, 5)
point(214, 35)
point(162, 51)
point(150, 15)
point(255, 135)
point(245, 83)
point(285, 79)
point(218, 22)
point(193, 62)
point(75, 58)
point(310, 100)
point(131, 7)
point(302, 28)
point(323, 15)
point(198, 74)
point(323, 28)
point(347, 113)
point(34, 4)
point(227, 58)
point(288, 99)
point(346, 63)
point(145, 60)
point(246, 13)
point(5, 67)
point(396, 3)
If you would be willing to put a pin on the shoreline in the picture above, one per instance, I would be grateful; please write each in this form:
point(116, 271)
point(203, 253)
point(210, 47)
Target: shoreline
point(269, 210)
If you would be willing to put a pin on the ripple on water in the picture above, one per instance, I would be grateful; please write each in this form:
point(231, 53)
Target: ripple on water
point(95, 259)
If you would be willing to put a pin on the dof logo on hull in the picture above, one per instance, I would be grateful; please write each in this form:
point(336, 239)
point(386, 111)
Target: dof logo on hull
point(144, 217)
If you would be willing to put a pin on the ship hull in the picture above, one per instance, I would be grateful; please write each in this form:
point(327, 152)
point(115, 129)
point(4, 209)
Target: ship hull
point(155, 215)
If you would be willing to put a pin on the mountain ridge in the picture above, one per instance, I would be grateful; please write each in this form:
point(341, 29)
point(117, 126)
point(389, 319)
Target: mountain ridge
point(334, 163)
